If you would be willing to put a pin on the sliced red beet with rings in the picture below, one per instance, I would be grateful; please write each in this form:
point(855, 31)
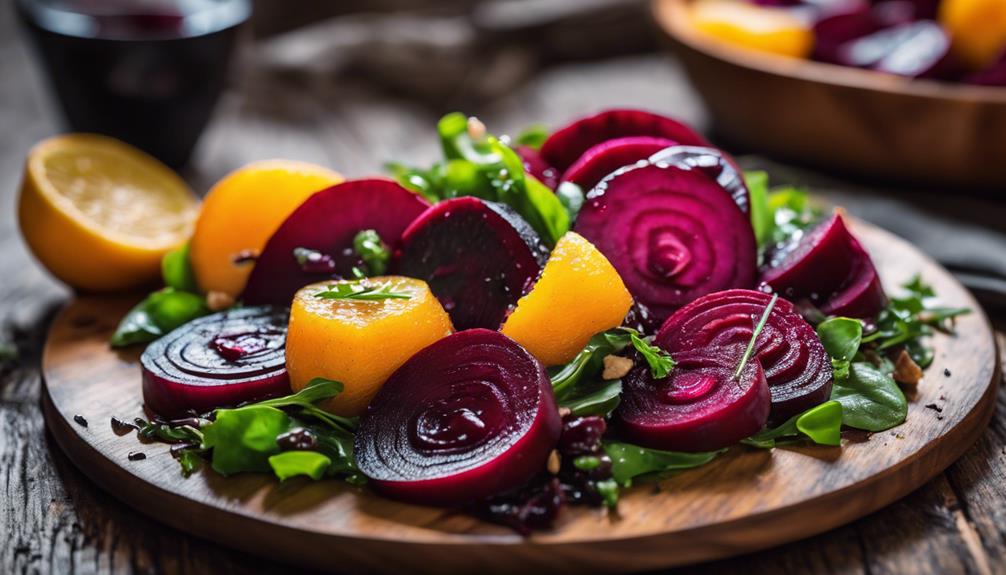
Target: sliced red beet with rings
point(223, 359)
point(714, 163)
point(478, 258)
point(673, 233)
point(828, 267)
point(324, 227)
point(606, 157)
point(566, 145)
point(701, 406)
point(470, 416)
point(795, 363)
point(536, 166)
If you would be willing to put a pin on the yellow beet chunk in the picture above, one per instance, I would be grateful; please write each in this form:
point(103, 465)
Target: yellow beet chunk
point(578, 295)
point(360, 342)
point(242, 211)
point(977, 29)
point(772, 30)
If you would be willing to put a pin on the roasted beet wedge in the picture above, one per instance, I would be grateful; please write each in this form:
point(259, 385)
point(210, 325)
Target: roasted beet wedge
point(466, 418)
point(478, 258)
point(565, 146)
point(701, 406)
point(537, 167)
point(828, 267)
point(796, 365)
point(673, 233)
point(219, 360)
point(606, 157)
point(327, 223)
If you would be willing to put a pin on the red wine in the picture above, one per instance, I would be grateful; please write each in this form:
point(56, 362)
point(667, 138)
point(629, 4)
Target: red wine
point(147, 72)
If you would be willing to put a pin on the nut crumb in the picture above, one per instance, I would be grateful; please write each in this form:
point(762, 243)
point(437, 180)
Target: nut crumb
point(615, 367)
point(218, 300)
point(554, 463)
point(906, 370)
point(565, 412)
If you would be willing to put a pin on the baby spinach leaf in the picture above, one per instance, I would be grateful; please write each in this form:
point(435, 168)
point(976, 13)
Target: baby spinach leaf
point(176, 269)
point(841, 337)
point(822, 424)
point(244, 439)
point(293, 463)
point(158, 314)
point(629, 461)
point(870, 399)
point(532, 136)
point(762, 218)
point(594, 398)
point(589, 362)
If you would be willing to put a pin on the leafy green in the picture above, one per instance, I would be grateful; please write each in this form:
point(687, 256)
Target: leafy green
point(593, 398)
point(822, 424)
point(361, 290)
point(184, 433)
point(316, 390)
point(8, 353)
point(754, 336)
point(870, 398)
point(158, 314)
point(532, 136)
point(661, 363)
point(177, 270)
point(762, 218)
point(910, 318)
point(571, 197)
point(293, 463)
point(191, 460)
point(630, 461)
point(841, 337)
point(589, 363)
point(375, 254)
point(481, 165)
point(244, 439)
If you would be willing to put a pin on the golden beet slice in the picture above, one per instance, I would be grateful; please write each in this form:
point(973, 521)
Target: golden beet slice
point(578, 295)
point(360, 342)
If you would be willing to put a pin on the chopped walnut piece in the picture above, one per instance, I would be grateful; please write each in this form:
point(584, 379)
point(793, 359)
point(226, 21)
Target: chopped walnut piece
point(906, 370)
point(565, 411)
point(615, 367)
point(218, 300)
point(554, 463)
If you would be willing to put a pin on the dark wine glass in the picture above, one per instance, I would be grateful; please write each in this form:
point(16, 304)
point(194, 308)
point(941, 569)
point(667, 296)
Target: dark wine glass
point(148, 72)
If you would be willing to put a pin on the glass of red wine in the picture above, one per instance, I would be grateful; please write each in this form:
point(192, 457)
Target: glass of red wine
point(149, 72)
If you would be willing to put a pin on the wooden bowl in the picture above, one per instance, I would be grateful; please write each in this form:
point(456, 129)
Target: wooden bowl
point(855, 121)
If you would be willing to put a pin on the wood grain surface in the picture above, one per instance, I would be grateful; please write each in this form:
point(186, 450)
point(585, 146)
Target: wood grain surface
point(879, 126)
point(751, 499)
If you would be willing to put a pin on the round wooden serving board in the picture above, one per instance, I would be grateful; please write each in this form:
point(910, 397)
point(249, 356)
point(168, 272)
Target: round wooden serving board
point(749, 499)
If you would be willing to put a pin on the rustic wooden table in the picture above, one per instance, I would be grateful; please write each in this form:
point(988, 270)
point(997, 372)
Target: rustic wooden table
point(53, 520)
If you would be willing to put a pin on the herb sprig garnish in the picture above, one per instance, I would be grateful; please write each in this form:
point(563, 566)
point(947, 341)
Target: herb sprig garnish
point(754, 336)
point(661, 363)
point(375, 254)
point(361, 290)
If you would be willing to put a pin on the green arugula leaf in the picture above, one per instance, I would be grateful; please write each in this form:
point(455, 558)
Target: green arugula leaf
point(375, 254)
point(244, 439)
point(190, 460)
point(316, 390)
point(176, 270)
point(571, 197)
point(532, 136)
point(661, 363)
point(293, 463)
point(870, 399)
point(589, 363)
point(158, 314)
point(841, 337)
point(361, 290)
point(169, 433)
point(631, 461)
point(822, 424)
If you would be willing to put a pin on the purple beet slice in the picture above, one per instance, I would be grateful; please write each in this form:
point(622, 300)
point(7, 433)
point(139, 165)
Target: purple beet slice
point(223, 359)
point(795, 363)
point(701, 406)
point(606, 157)
point(478, 258)
point(917, 50)
point(534, 165)
point(468, 417)
point(826, 265)
point(838, 27)
point(674, 234)
point(994, 75)
point(326, 223)
point(565, 146)
point(713, 163)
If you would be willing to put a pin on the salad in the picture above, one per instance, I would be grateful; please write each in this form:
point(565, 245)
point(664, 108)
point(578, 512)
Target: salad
point(949, 40)
point(529, 323)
